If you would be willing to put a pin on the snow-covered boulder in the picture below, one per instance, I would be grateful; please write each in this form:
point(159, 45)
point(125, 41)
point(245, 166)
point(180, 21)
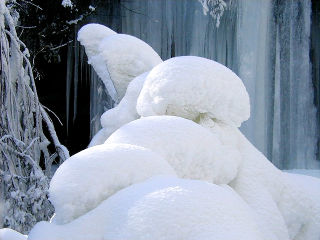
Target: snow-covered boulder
point(193, 151)
point(161, 208)
point(92, 175)
point(121, 114)
point(91, 35)
point(9, 234)
point(192, 87)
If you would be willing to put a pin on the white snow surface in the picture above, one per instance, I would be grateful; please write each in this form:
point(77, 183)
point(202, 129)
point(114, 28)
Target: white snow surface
point(91, 35)
point(105, 192)
point(189, 86)
point(161, 208)
point(193, 151)
point(126, 57)
point(125, 111)
point(121, 114)
point(286, 206)
point(260, 184)
point(87, 178)
point(9, 234)
point(300, 206)
point(100, 137)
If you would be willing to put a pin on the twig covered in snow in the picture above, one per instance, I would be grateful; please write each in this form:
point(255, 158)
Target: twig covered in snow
point(215, 8)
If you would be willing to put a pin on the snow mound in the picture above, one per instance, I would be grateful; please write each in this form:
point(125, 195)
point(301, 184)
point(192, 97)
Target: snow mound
point(91, 35)
point(287, 206)
point(9, 234)
point(161, 208)
point(100, 137)
point(300, 206)
point(193, 151)
point(191, 86)
point(126, 57)
point(92, 175)
point(123, 113)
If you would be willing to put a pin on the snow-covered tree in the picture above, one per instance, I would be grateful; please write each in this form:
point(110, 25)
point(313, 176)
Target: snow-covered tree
point(27, 147)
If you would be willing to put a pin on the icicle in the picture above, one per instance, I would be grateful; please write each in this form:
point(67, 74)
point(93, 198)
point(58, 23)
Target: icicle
point(75, 75)
point(68, 84)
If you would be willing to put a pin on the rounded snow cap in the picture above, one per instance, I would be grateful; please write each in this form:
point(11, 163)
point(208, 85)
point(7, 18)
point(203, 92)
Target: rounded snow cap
point(87, 178)
point(126, 57)
point(90, 36)
point(191, 87)
point(192, 150)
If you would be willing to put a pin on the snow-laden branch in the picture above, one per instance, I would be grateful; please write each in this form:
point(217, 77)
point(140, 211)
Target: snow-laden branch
point(25, 158)
point(215, 8)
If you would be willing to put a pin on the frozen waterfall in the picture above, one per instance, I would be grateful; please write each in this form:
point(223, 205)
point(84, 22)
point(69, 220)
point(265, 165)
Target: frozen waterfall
point(267, 43)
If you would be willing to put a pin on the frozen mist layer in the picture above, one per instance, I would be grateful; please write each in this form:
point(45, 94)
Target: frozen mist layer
point(258, 41)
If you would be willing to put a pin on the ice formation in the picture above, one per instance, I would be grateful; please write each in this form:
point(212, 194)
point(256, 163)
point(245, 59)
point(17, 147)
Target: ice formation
point(190, 86)
point(92, 175)
point(190, 149)
point(161, 208)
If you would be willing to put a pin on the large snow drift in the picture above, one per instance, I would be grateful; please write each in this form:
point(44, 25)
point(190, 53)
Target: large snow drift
point(189, 148)
point(92, 175)
point(161, 208)
point(105, 192)
point(192, 86)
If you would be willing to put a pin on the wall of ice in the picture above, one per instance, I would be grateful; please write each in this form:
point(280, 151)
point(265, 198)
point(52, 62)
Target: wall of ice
point(267, 43)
